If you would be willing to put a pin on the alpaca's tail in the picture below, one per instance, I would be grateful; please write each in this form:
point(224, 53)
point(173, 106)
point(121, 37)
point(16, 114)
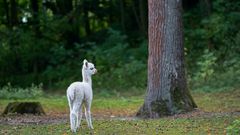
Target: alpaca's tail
point(70, 97)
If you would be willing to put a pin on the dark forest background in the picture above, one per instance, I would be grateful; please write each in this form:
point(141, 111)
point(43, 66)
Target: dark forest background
point(43, 42)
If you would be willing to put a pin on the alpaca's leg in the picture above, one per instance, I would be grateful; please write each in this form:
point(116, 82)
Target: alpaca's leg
point(88, 114)
point(79, 117)
point(74, 116)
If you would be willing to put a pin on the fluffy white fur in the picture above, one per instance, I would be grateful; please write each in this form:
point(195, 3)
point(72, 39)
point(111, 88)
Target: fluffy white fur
point(79, 93)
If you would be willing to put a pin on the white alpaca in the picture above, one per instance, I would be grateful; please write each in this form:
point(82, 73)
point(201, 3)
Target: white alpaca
point(79, 93)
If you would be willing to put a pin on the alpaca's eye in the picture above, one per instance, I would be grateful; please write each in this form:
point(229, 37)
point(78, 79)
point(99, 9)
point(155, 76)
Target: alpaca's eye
point(91, 68)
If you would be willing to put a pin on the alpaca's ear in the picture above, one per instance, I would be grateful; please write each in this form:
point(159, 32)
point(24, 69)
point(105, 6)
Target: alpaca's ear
point(85, 62)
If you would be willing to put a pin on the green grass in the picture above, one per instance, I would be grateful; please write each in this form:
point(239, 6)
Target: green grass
point(209, 102)
point(181, 126)
point(59, 104)
point(218, 101)
point(214, 123)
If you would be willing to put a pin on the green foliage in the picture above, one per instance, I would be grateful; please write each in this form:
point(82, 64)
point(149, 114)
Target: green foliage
point(205, 66)
point(9, 92)
point(234, 128)
point(212, 47)
point(49, 47)
point(119, 67)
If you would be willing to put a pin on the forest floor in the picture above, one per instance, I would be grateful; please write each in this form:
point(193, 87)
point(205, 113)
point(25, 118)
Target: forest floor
point(115, 115)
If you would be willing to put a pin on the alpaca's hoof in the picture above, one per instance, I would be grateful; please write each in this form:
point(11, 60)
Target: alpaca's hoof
point(74, 130)
point(78, 126)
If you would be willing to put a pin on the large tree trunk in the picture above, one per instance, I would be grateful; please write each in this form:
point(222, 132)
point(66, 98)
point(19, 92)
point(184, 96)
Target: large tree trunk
point(167, 92)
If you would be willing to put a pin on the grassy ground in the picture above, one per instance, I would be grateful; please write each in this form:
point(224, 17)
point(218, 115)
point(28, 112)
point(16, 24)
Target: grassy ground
point(213, 125)
point(114, 116)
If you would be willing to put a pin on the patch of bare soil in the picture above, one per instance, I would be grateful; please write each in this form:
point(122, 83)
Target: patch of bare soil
point(16, 119)
point(26, 119)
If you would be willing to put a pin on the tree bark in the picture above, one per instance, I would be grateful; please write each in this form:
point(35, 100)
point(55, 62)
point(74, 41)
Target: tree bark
point(167, 92)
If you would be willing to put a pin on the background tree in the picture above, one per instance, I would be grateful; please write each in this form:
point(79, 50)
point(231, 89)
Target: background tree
point(41, 40)
point(167, 91)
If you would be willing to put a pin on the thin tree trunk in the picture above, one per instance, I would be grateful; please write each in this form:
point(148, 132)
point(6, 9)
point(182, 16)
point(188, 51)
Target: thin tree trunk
point(122, 15)
point(13, 13)
point(206, 7)
point(64, 6)
point(87, 23)
point(36, 22)
point(86, 18)
point(6, 6)
point(143, 16)
point(167, 91)
point(134, 8)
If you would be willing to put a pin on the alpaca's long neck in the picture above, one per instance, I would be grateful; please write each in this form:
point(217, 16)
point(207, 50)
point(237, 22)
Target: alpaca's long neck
point(87, 78)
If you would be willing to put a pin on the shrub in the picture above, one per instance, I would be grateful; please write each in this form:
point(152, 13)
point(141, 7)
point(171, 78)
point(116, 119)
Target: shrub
point(9, 92)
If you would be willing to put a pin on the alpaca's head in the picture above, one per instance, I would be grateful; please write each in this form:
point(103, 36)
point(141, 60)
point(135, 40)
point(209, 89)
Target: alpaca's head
point(88, 68)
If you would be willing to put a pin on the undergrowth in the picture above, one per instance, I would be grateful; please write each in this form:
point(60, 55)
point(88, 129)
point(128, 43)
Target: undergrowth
point(10, 92)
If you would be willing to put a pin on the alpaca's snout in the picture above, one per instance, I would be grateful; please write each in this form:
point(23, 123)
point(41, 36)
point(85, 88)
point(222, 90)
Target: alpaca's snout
point(95, 71)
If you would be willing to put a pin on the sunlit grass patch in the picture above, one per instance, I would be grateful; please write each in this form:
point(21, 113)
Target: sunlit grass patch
point(110, 106)
point(218, 101)
point(128, 106)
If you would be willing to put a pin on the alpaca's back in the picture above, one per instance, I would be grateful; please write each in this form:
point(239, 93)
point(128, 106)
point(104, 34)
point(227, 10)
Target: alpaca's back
point(77, 92)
